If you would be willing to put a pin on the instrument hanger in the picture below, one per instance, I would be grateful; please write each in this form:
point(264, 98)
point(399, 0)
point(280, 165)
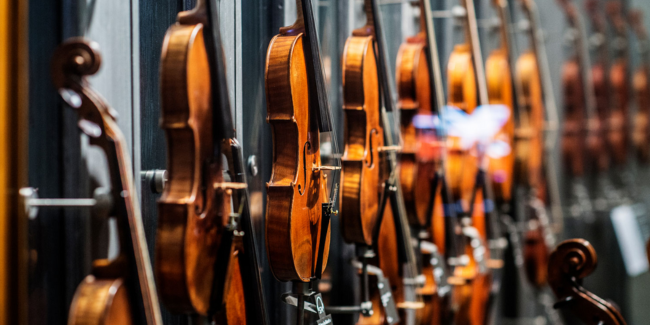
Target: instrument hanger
point(570, 262)
point(114, 290)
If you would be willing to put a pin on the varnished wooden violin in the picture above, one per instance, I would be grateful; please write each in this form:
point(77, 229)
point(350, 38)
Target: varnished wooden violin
point(581, 133)
point(618, 132)
point(530, 153)
point(364, 137)
point(395, 253)
point(422, 160)
point(467, 89)
point(194, 209)
point(297, 190)
point(203, 263)
point(641, 85)
point(110, 294)
point(502, 91)
point(570, 262)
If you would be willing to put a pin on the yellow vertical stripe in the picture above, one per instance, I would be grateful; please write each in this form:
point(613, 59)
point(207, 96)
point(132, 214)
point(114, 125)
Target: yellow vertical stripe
point(13, 165)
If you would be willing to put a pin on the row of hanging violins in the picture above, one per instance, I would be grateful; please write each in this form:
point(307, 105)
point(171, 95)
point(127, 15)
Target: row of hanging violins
point(427, 207)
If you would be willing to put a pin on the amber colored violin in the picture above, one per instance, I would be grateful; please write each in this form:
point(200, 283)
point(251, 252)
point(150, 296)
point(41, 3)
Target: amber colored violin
point(111, 293)
point(570, 262)
point(361, 170)
point(422, 159)
point(466, 174)
point(641, 84)
point(530, 154)
point(297, 189)
point(364, 136)
point(618, 135)
point(501, 91)
point(194, 227)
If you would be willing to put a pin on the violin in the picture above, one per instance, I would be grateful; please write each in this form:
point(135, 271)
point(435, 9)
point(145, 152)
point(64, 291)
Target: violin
point(600, 72)
point(110, 294)
point(502, 90)
point(361, 166)
point(570, 262)
point(581, 129)
point(396, 256)
point(198, 247)
point(465, 170)
point(364, 136)
point(414, 98)
point(641, 85)
point(618, 136)
point(297, 189)
point(530, 153)
point(422, 159)
point(195, 207)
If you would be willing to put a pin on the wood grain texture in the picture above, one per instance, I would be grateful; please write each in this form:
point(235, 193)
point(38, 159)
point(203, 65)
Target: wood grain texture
point(296, 191)
point(360, 188)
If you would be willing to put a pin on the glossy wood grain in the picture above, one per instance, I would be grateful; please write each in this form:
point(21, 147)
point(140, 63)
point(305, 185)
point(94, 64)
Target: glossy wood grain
point(360, 183)
point(297, 189)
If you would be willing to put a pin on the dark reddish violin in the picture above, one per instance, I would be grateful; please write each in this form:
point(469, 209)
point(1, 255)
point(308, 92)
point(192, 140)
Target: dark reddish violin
point(641, 85)
point(570, 262)
point(110, 293)
point(618, 132)
point(581, 129)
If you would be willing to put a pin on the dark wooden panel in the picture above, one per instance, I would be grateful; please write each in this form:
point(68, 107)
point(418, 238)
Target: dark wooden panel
point(47, 281)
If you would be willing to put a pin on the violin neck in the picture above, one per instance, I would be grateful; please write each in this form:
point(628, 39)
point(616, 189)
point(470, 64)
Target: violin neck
point(223, 126)
point(544, 71)
point(477, 56)
point(318, 101)
point(585, 64)
point(384, 71)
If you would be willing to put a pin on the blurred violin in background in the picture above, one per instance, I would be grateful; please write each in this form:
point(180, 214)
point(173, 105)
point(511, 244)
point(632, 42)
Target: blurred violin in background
point(116, 287)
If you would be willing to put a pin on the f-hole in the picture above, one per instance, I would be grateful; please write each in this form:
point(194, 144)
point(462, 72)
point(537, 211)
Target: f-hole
point(371, 152)
point(305, 148)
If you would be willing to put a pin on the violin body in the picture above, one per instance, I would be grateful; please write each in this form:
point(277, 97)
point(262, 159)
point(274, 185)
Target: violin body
point(617, 136)
point(573, 132)
point(360, 185)
point(414, 91)
point(529, 150)
point(98, 301)
point(641, 131)
point(297, 189)
point(462, 169)
point(499, 83)
point(191, 213)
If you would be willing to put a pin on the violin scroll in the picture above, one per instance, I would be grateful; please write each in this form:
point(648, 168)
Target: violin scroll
point(570, 262)
point(73, 60)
